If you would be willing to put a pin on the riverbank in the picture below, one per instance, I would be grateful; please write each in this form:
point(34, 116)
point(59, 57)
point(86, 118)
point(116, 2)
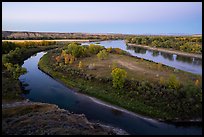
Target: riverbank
point(19, 115)
point(167, 51)
point(139, 101)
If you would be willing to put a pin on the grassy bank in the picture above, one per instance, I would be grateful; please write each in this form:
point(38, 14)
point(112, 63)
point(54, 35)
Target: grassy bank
point(142, 93)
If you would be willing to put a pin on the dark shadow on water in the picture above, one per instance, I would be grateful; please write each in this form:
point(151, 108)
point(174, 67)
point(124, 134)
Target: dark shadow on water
point(116, 112)
point(155, 53)
point(184, 59)
point(137, 49)
point(167, 56)
point(23, 88)
point(186, 124)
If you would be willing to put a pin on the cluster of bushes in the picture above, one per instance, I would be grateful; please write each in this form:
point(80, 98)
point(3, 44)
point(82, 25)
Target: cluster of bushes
point(14, 53)
point(117, 51)
point(67, 58)
point(13, 56)
point(35, 43)
point(187, 44)
point(73, 51)
point(15, 70)
point(8, 46)
point(183, 101)
point(10, 62)
point(103, 54)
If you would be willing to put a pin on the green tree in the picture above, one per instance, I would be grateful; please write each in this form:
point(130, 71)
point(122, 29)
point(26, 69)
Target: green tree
point(118, 76)
point(75, 50)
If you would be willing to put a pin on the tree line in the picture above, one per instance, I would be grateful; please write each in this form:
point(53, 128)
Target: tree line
point(189, 44)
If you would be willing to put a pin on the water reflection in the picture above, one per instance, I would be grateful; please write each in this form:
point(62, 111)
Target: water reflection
point(167, 56)
point(155, 53)
point(184, 59)
point(137, 49)
point(197, 61)
point(189, 64)
point(24, 88)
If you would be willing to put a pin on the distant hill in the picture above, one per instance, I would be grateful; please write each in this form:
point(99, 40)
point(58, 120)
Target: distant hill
point(54, 35)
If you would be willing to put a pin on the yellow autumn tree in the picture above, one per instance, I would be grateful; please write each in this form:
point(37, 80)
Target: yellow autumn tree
point(118, 76)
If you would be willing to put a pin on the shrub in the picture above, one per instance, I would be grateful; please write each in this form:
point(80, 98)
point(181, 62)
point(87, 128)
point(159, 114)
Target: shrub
point(68, 59)
point(197, 83)
point(118, 76)
point(191, 90)
point(114, 65)
point(7, 47)
point(173, 83)
point(117, 51)
point(58, 58)
point(5, 59)
point(102, 54)
point(109, 49)
point(94, 49)
point(80, 65)
point(162, 80)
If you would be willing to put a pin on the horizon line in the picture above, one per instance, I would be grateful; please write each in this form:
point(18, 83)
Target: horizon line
point(102, 33)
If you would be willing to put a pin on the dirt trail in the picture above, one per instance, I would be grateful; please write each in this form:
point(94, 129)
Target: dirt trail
point(136, 68)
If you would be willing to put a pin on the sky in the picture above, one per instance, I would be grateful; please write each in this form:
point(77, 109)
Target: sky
point(104, 17)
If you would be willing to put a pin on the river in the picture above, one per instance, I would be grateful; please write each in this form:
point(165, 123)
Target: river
point(188, 64)
point(43, 88)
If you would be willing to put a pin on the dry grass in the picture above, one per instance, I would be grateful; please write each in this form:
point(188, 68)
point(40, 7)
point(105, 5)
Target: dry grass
point(136, 68)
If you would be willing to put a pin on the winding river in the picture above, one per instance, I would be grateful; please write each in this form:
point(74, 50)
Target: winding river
point(189, 64)
point(45, 89)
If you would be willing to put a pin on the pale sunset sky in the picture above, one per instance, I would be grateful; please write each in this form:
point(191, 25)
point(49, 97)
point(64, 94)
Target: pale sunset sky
point(104, 17)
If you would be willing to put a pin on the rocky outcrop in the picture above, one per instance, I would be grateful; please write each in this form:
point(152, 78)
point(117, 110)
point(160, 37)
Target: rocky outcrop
point(30, 118)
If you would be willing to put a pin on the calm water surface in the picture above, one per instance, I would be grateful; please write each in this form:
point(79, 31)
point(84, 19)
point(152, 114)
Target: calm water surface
point(45, 89)
point(189, 64)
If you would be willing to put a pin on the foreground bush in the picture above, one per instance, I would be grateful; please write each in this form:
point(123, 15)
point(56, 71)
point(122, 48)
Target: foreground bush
point(173, 83)
point(118, 76)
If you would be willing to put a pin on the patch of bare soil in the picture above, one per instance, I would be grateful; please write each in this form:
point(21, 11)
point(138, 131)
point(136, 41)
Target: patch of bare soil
point(136, 68)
